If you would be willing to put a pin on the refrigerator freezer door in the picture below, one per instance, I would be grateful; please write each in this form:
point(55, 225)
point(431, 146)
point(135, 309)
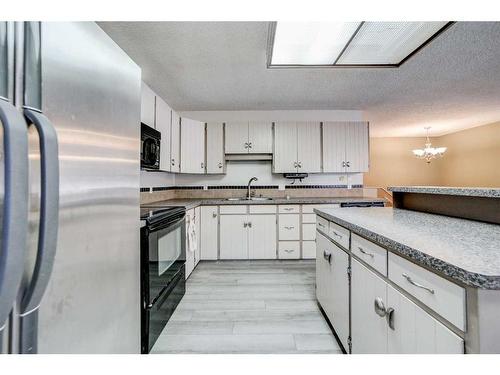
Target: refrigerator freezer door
point(91, 94)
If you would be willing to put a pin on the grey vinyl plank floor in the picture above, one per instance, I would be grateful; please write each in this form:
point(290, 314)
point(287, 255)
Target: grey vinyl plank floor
point(249, 307)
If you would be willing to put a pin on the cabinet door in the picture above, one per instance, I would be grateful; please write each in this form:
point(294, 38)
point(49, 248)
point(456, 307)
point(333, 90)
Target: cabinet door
point(415, 331)
point(190, 255)
point(233, 237)
point(262, 237)
point(192, 146)
point(334, 145)
point(175, 143)
point(368, 329)
point(309, 146)
point(209, 232)
point(339, 284)
point(260, 137)
point(332, 285)
point(285, 147)
point(357, 150)
point(197, 218)
point(147, 105)
point(215, 147)
point(236, 137)
point(163, 120)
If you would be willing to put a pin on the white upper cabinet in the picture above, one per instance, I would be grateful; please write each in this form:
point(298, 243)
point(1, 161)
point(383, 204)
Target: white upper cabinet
point(147, 105)
point(309, 147)
point(260, 137)
point(236, 137)
point(345, 147)
point(192, 146)
point(175, 143)
point(297, 147)
point(215, 147)
point(163, 122)
point(285, 147)
point(254, 137)
point(357, 147)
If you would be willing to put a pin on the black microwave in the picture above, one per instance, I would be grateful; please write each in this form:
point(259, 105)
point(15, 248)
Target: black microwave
point(150, 148)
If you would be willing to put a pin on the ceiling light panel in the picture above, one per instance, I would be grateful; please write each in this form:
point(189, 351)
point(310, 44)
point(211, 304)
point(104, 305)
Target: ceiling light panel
point(387, 43)
point(310, 43)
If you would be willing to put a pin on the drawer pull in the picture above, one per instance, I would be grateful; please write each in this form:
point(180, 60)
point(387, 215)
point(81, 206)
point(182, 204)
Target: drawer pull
point(289, 228)
point(328, 256)
point(409, 279)
point(214, 215)
point(389, 316)
point(364, 252)
point(289, 251)
point(321, 225)
point(288, 209)
point(338, 235)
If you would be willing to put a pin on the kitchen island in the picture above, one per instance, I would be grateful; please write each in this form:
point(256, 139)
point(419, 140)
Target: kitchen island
point(417, 281)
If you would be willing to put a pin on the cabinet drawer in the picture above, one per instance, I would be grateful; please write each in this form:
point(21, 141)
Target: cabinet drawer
point(289, 227)
point(308, 249)
point(370, 253)
point(288, 209)
point(339, 235)
point(309, 208)
point(262, 209)
point(309, 218)
point(289, 250)
point(441, 295)
point(308, 232)
point(233, 209)
point(322, 224)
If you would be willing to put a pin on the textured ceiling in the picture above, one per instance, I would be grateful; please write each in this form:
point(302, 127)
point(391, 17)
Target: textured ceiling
point(453, 83)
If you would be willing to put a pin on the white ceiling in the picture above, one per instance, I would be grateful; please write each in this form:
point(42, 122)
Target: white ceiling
point(451, 84)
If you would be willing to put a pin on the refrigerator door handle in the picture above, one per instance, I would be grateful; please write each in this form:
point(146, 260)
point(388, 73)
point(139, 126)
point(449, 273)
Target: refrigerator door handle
point(15, 208)
point(47, 237)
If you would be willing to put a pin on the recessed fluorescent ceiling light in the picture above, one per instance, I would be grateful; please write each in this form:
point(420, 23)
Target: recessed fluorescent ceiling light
point(349, 43)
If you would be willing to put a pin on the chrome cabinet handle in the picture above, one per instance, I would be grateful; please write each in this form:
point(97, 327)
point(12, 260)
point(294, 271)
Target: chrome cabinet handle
point(389, 316)
point(364, 252)
point(321, 225)
point(245, 225)
point(343, 164)
point(48, 227)
point(214, 214)
point(14, 207)
point(202, 165)
point(246, 145)
point(379, 306)
point(172, 162)
point(288, 209)
point(220, 165)
point(289, 251)
point(327, 256)
point(295, 164)
point(335, 233)
point(249, 144)
point(348, 164)
point(299, 164)
point(289, 227)
point(249, 224)
point(409, 279)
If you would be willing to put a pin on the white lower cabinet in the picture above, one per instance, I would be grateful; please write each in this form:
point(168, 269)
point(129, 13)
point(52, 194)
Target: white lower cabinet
point(308, 249)
point(412, 330)
point(289, 250)
point(197, 223)
point(248, 236)
point(332, 286)
point(383, 320)
point(262, 236)
point(191, 242)
point(209, 232)
point(368, 329)
point(233, 237)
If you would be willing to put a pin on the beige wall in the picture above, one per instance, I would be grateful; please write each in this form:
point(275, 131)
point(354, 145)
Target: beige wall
point(472, 159)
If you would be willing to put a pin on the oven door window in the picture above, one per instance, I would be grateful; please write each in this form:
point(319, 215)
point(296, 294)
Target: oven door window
point(169, 250)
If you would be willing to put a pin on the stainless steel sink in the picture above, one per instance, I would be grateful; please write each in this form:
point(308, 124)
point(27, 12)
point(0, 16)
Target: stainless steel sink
point(251, 199)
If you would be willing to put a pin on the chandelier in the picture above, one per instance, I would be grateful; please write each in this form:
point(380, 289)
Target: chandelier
point(428, 153)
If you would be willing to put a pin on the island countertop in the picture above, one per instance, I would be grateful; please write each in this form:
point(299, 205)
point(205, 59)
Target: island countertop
point(446, 190)
point(464, 250)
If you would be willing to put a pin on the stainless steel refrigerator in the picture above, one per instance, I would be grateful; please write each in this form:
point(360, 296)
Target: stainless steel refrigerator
point(69, 142)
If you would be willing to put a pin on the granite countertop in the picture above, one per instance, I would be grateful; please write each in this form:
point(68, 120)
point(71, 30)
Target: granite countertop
point(195, 202)
point(464, 250)
point(444, 190)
